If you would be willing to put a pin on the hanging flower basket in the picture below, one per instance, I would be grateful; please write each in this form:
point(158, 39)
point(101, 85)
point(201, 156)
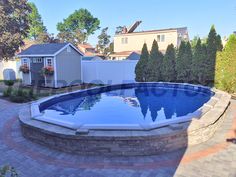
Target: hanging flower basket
point(48, 71)
point(24, 69)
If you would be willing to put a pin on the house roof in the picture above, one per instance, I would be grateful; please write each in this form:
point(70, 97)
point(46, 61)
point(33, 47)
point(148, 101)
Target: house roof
point(86, 46)
point(134, 56)
point(153, 31)
point(122, 54)
point(49, 49)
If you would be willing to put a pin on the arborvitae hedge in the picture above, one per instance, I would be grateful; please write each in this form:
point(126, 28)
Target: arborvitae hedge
point(168, 67)
point(141, 67)
point(154, 64)
point(199, 63)
point(199, 66)
point(184, 62)
point(213, 45)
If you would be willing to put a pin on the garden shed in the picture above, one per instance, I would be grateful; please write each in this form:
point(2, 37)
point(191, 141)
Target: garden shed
point(51, 65)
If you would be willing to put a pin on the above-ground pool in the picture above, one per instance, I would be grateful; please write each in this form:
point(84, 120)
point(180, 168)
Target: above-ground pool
point(126, 119)
point(130, 106)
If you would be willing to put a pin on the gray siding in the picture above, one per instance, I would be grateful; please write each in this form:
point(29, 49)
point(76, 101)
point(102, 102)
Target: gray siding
point(68, 67)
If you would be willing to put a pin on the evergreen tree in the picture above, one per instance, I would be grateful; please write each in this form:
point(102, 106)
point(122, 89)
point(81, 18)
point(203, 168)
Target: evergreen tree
point(196, 58)
point(213, 45)
point(154, 64)
point(103, 41)
point(184, 62)
point(225, 76)
point(141, 67)
point(199, 63)
point(169, 73)
point(36, 23)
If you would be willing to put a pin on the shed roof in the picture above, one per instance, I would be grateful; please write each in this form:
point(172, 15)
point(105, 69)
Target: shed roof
point(49, 49)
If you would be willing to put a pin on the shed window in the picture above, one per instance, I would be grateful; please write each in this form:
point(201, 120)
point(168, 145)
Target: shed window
point(49, 61)
point(25, 61)
point(37, 60)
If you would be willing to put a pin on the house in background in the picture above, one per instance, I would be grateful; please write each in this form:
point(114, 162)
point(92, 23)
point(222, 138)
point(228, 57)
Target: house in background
point(128, 40)
point(87, 49)
point(51, 65)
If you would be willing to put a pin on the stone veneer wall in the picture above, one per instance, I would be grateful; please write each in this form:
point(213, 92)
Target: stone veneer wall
point(128, 143)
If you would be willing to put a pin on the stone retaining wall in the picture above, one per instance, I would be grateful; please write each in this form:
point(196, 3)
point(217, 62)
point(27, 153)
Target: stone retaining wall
point(128, 143)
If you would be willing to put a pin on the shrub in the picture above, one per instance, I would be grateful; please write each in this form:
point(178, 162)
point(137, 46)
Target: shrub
point(7, 92)
point(21, 96)
point(8, 171)
point(31, 94)
point(9, 82)
point(225, 73)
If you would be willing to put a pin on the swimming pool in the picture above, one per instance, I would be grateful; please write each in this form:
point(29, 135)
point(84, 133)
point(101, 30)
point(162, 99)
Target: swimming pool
point(138, 106)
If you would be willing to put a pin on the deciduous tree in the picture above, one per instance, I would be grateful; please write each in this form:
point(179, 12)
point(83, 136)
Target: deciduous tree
point(14, 25)
point(78, 26)
point(225, 71)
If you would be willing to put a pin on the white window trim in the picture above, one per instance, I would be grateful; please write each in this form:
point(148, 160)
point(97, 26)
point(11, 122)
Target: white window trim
point(46, 61)
point(28, 64)
point(55, 72)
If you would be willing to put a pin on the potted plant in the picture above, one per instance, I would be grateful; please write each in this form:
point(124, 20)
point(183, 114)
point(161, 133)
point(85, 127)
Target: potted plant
point(48, 70)
point(24, 68)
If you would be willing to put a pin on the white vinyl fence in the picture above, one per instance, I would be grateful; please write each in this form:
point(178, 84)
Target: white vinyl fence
point(109, 71)
point(14, 65)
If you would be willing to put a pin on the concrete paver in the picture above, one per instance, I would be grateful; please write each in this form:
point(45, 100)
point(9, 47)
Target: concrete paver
point(216, 157)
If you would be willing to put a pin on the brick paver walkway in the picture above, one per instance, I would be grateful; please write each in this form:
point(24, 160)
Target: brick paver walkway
point(214, 158)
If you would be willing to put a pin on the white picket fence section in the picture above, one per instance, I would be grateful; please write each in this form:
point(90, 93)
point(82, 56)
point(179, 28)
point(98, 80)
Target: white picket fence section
point(109, 71)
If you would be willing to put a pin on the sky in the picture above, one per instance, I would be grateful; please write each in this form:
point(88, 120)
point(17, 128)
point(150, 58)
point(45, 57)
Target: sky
point(197, 15)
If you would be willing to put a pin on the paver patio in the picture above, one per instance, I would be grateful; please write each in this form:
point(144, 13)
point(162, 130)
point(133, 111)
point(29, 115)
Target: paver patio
point(214, 158)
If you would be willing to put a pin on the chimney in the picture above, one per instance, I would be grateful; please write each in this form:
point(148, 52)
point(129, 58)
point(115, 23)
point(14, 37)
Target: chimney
point(124, 30)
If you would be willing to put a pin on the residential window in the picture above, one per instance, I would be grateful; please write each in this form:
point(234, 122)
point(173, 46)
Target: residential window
point(25, 61)
point(37, 60)
point(161, 38)
point(124, 40)
point(48, 62)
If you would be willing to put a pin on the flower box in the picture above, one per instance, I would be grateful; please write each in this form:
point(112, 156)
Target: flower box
point(24, 69)
point(48, 70)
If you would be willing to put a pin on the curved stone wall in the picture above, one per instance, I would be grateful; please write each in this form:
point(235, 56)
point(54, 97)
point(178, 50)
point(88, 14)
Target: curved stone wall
point(128, 142)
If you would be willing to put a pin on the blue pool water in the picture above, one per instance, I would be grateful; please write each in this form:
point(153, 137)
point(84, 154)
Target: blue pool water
point(137, 105)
